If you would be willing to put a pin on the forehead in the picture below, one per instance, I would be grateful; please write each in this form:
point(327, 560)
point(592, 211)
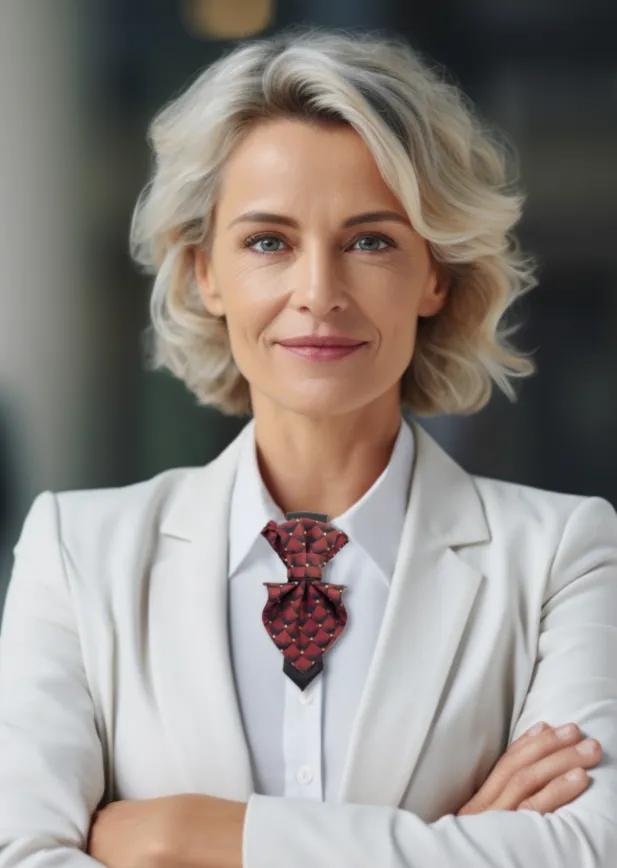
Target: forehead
point(291, 157)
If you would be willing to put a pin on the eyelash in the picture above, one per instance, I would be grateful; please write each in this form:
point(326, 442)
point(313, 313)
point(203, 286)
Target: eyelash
point(260, 236)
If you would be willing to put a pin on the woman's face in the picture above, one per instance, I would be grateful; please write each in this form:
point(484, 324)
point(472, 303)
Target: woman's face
point(298, 250)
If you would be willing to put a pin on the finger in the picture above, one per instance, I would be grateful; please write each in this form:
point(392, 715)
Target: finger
point(526, 750)
point(534, 730)
point(529, 780)
point(534, 748)
point(557, 793)
point(542, 734)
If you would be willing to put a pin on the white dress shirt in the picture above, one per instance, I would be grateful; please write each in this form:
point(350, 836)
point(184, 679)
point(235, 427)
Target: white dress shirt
point(297, 739)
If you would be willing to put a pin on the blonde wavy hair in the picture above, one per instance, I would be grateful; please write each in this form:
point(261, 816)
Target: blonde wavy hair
point(454, 177)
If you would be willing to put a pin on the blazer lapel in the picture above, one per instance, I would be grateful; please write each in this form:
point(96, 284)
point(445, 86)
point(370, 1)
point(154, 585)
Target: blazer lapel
point(431, 595)
point(192, 672)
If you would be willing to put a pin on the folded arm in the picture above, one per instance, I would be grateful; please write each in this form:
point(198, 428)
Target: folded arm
point(575, 679)
point(51, 761)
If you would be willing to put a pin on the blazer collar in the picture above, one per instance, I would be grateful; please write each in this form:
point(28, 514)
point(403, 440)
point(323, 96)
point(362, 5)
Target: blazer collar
point(450, 507)
point(183, 515)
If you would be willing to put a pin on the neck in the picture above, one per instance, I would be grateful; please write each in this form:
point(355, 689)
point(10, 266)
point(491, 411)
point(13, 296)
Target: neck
point(323, 464)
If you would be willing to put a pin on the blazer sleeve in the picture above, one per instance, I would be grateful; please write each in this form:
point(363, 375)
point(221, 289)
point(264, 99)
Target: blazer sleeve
point(575, 679)
point(51, 759)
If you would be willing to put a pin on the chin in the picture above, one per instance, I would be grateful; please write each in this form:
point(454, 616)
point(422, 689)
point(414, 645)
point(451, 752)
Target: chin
point(322, 402)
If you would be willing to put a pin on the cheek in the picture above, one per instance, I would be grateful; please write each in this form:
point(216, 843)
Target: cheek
point(402, 345)
point(398, 335)
point(396, 313)
point(248, 321)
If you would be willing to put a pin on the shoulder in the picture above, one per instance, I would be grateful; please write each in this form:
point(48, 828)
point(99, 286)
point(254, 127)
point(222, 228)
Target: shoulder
point(513, 519)
point(82, 519)
point(533, 520)
point(110, 506)
point(536, 506)
point(119, 531)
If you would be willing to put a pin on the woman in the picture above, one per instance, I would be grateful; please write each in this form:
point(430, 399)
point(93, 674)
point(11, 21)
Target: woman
point(329, 226)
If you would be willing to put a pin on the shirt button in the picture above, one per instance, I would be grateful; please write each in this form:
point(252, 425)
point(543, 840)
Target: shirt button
point(305, 775)
point(306, 698)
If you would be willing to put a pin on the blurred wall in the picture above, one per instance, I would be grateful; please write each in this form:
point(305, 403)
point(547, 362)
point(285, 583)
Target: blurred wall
point(48, 344)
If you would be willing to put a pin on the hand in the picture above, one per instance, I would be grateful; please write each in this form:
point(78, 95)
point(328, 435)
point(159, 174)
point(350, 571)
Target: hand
point(534, 772)
point(184, 831)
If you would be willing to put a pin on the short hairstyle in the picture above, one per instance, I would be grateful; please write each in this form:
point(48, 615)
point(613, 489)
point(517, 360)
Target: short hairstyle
point(454, 176)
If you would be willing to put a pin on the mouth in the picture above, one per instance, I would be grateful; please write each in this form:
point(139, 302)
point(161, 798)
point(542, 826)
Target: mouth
point(321, 347)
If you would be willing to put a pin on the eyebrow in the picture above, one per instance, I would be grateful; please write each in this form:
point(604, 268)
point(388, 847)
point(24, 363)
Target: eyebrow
point(368, 217)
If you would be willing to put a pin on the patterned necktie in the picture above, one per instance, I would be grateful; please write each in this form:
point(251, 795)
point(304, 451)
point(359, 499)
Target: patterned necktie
point(304, 616)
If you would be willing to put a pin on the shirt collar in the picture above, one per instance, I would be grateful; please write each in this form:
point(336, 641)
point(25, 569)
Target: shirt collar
point(374, 522)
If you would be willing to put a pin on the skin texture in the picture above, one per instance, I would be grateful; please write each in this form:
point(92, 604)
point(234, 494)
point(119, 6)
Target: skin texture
point(324, 430)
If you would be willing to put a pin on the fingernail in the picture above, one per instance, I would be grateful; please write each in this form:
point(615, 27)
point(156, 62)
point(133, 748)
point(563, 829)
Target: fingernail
point(588, 746)
point(565, 731)
point(576, 775)
point(537, 729)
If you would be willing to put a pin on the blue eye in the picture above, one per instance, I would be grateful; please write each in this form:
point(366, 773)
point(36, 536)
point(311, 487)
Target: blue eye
point(269, 243)
point(269, 239)
point(259, 239)
point(373, 238)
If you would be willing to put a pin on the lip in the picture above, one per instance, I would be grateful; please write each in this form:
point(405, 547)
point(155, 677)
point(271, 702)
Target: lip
point(321, 342)
point(322, 348)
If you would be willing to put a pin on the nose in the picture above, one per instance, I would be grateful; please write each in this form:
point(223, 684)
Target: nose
point(317, 284)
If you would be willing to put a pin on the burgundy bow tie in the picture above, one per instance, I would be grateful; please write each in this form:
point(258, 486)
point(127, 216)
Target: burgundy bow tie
point(304, 616)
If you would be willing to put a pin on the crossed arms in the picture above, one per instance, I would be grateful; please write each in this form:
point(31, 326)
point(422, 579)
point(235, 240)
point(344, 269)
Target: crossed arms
point(51, 768)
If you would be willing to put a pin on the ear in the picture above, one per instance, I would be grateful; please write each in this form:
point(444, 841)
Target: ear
point(212, 299)
point(435, 294)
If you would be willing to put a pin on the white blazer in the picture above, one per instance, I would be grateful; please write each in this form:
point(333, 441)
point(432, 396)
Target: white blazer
point(116, 680)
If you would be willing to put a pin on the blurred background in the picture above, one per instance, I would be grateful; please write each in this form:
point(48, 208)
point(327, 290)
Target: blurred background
point(79, 83)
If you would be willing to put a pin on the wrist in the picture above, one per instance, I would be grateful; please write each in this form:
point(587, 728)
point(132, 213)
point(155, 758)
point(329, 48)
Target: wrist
point(210, 836)
point(239, 813)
